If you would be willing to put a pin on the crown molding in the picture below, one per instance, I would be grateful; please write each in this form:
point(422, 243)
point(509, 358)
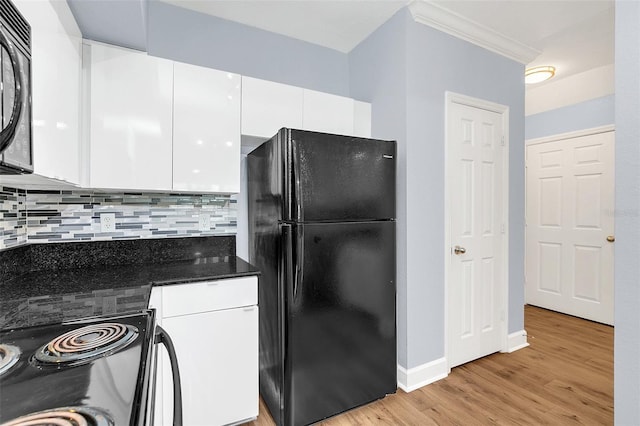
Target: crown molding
point(443, 19)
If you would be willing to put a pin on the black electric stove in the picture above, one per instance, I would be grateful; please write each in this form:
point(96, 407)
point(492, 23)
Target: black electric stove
point(95, 371)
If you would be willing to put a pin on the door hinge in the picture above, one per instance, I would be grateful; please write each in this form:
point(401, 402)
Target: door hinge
point(502, 141)
point(503, 228)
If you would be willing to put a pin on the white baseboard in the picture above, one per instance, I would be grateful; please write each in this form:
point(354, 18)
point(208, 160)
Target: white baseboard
point(417, 377)
point(515, 341)
point(422, 375)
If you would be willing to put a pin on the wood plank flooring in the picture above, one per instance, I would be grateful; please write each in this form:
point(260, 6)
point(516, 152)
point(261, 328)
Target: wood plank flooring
point(564, 377)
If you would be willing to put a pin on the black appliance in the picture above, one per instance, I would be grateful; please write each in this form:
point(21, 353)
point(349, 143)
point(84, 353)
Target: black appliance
point(322, 232)
point(16, 153)
point(98, 370)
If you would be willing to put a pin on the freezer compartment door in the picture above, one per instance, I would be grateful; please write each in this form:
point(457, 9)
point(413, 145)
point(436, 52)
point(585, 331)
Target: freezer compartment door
point(339, 178)
point(341, 313)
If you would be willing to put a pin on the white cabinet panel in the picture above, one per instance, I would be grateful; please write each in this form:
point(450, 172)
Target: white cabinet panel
point(206, 129)
point(56, 64)
point(269, 106)
point(217, 347)
point(323, 112)
point(362, 119)
point(218, 359)
point(131, 116)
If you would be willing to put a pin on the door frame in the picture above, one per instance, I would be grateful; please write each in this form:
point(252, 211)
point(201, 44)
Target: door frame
point(571, 135)
point(452, 98)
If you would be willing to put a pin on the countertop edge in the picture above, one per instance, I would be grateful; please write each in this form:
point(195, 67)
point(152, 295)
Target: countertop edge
point(163, 283)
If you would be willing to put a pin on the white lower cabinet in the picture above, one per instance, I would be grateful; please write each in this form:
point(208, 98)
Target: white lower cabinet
point(217, 348)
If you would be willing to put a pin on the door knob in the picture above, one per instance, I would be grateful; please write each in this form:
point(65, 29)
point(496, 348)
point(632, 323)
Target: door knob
point(611, 238)
point(459, 250)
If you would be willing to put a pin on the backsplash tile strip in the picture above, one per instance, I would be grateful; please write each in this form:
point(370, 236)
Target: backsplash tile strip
point(41, 216)
point(13, 217)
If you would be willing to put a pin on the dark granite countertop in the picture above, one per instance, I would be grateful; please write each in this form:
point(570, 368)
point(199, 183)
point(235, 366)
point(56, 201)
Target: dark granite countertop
point(43, 297)
point(55, 295)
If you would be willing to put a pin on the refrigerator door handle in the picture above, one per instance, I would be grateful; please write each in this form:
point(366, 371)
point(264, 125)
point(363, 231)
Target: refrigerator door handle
point(287, 176)
point(287, 231)
point(295, 170)
point(299, 259)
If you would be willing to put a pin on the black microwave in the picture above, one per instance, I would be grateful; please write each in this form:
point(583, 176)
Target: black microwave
point(16, 150)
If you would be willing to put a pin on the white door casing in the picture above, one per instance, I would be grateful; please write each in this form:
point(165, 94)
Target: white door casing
point(476, 216)
point(569, 216)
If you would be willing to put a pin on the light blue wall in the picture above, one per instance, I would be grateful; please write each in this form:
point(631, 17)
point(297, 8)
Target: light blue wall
point(409, 100)
point(378, 75)
point(438, 63)
point(187, 36)
point(585, 115)
point(627, 265)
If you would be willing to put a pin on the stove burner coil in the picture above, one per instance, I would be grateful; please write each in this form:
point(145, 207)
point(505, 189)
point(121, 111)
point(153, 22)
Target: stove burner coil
point(9, 355)
point(87, 343)
point(65, 416)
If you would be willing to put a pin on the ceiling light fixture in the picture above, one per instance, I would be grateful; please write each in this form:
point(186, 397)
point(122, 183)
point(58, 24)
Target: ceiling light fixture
point(539, 74)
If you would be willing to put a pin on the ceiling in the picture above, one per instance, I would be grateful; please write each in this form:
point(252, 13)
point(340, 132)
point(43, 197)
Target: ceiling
point(337, 24)
point(572, 35)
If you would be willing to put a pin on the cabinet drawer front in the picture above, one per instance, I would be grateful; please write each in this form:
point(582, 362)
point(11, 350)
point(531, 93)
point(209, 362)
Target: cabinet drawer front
point(184, 299)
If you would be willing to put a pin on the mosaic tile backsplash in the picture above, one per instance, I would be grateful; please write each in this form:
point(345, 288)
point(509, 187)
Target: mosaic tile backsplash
point(36, 216)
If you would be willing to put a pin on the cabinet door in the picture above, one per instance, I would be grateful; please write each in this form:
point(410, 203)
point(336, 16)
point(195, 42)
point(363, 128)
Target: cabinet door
point(56, 45)
point(269, 106)
point(130, 124)
point(218, 358)
point(206, 130)
point(323, 112)
point(362, 119)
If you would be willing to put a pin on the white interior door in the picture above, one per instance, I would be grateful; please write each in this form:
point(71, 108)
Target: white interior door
point(476, 279)
point(569, 260)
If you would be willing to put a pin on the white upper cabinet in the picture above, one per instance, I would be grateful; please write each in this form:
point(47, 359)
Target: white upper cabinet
point(269, 106)
point(130, 119)
point(362, 119)
point(56, 65)
point(159, 125)
point(323, 112)
point(206, 129)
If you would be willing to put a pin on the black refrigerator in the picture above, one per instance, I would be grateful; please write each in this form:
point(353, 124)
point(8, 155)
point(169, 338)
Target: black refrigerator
point(322, 232)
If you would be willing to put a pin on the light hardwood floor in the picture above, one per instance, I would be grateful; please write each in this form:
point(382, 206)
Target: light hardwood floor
point(565, 376)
